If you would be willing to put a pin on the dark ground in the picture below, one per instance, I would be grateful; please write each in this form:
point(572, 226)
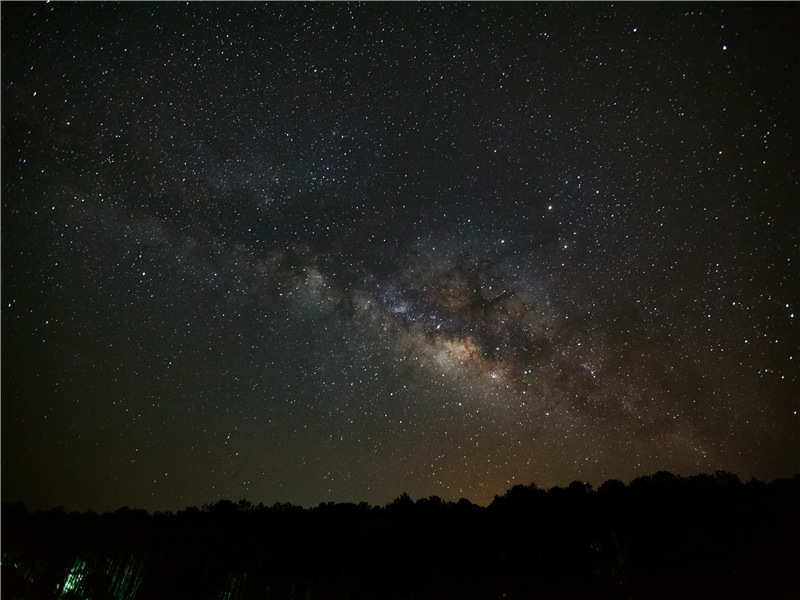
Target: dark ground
point(662, 536)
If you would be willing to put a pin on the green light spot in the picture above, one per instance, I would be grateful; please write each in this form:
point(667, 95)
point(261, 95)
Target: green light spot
point(72, 583)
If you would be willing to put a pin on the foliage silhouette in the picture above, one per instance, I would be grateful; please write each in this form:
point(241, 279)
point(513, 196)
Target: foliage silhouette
point(705, 536)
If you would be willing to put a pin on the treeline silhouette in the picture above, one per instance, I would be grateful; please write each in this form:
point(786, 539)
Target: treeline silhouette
point(661, 536)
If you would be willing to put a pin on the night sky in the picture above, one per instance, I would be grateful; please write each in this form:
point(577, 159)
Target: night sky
point(304, 253)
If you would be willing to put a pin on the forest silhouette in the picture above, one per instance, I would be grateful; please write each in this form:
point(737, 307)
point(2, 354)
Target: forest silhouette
point(661, 536)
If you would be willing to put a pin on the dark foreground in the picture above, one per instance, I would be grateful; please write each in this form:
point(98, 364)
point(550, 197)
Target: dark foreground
point(660, 537)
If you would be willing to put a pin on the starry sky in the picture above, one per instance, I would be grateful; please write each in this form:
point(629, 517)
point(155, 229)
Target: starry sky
point(336, 252)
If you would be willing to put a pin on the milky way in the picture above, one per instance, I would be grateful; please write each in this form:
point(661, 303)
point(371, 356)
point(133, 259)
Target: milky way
point(303, 253)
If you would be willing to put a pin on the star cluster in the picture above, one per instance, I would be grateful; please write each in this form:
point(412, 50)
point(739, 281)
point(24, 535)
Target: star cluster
point(303, 252)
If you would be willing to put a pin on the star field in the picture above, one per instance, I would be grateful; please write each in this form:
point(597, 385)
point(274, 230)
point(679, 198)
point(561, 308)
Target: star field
point(303, 253)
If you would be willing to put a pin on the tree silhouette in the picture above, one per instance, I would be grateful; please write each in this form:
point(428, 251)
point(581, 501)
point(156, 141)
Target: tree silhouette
point(659, 537)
